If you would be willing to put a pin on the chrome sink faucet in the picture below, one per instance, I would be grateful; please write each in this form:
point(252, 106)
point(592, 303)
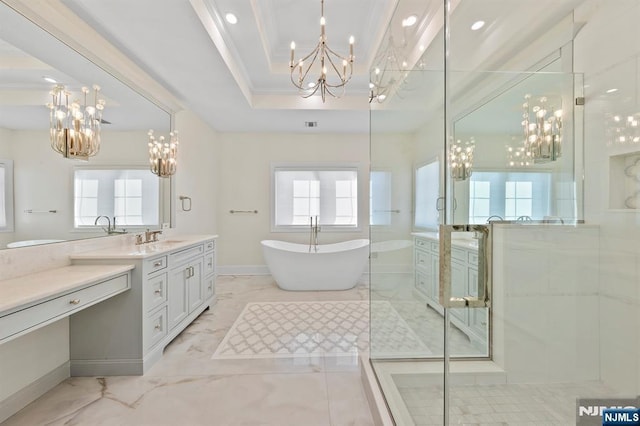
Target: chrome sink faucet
point(111, 227)
point(108, 230)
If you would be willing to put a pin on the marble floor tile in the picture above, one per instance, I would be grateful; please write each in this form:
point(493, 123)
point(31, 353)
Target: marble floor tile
point(187, 387)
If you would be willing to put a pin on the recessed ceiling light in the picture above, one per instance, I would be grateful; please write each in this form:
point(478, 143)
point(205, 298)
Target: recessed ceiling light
point(409, 21)
point(49, 80)
point(612, 90)
point(477, 25)
point(231, 18)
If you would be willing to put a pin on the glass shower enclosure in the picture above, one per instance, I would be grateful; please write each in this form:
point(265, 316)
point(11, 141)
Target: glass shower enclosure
point(503, 211)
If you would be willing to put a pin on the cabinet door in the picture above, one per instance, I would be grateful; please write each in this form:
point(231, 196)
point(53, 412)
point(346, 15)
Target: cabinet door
point(177, 294)
point(195, 286)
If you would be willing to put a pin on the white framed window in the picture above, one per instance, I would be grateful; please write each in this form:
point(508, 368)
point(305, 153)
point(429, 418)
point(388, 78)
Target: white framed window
point(510, 195)
point(6, 196)
point(300, 192)
point(427, 193)
point(518, 199)
point(131, 196)
point(380, 198)
point(479, 201)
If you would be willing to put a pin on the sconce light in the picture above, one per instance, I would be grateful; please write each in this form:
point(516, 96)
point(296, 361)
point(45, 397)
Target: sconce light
point(461, 159)
point(74, 129)
point(162, 155)
point(542, 128)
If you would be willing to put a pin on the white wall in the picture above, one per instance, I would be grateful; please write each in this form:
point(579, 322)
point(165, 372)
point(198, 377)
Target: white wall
point(394, 153)
point(198, 175)
point(606, 51)
point(245, 184)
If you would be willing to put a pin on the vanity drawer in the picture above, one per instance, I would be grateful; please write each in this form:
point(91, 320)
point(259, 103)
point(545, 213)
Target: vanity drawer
point(422, 258)
point(422, 244)
point(185, 255)
point(60, 307)
point(209, 287)
point(422, 283)
point(156, 327)
point(155, 264)
point(209, 263)
point(210, 245)
point(473, 258)
point(155, 292)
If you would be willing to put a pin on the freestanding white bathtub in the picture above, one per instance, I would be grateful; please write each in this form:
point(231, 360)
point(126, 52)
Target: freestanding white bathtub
point(333, 267)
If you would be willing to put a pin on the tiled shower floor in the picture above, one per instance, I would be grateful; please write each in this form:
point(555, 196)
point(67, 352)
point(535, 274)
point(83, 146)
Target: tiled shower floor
point(479, 395)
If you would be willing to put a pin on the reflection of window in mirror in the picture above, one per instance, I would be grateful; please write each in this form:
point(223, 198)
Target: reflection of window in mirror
point(6, 195)
point(510, 195)
point(380, 198)
point(132, 196)
point(427, 191)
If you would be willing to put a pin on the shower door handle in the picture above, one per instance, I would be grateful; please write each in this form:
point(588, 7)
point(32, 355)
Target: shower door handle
point(483, 298)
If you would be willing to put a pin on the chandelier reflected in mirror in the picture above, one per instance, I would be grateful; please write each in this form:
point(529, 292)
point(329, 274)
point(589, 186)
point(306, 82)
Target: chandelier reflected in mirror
point(542, 126)
point(622, 129)
point(74, 128)
point(518, 157)
point(389, 72)
point(162, 155)
point(322, 70)
point(461, 159)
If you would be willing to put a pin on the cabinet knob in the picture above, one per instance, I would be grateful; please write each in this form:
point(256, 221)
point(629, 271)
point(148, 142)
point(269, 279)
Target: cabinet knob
point(74, 301)
point(158, 263)
point(158, 291)
point(157, 327)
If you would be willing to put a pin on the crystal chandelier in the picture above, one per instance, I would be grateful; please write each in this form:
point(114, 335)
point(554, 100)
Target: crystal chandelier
point(334, 71)
point(162, 155)
point(74, 129)
point(542, 128)
point(461, 159)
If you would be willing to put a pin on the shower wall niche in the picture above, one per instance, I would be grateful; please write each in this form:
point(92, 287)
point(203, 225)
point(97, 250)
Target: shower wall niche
point(624, 181)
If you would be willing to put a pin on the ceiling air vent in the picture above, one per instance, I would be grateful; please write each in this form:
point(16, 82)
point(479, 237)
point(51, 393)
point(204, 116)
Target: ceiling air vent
point(310, 124)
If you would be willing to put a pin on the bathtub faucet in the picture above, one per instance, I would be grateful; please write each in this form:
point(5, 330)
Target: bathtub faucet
point(313, 236)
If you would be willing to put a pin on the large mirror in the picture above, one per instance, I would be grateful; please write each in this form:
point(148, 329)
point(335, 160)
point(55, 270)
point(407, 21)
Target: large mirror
point(47, 197)
point(512, 176)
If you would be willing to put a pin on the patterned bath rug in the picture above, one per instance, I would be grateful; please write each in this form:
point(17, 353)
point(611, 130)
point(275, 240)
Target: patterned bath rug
point(318, 328)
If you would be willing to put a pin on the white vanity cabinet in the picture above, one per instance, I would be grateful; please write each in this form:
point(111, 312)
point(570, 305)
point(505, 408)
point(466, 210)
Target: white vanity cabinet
point(171, 286)
point(464, 282)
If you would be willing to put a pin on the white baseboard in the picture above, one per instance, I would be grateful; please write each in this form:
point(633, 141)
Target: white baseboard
point(243, 270)
point(33, 391)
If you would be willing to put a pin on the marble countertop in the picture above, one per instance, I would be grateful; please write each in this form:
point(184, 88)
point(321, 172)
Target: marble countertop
point(22, 292)
point(457, 241)
point(142, 251)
